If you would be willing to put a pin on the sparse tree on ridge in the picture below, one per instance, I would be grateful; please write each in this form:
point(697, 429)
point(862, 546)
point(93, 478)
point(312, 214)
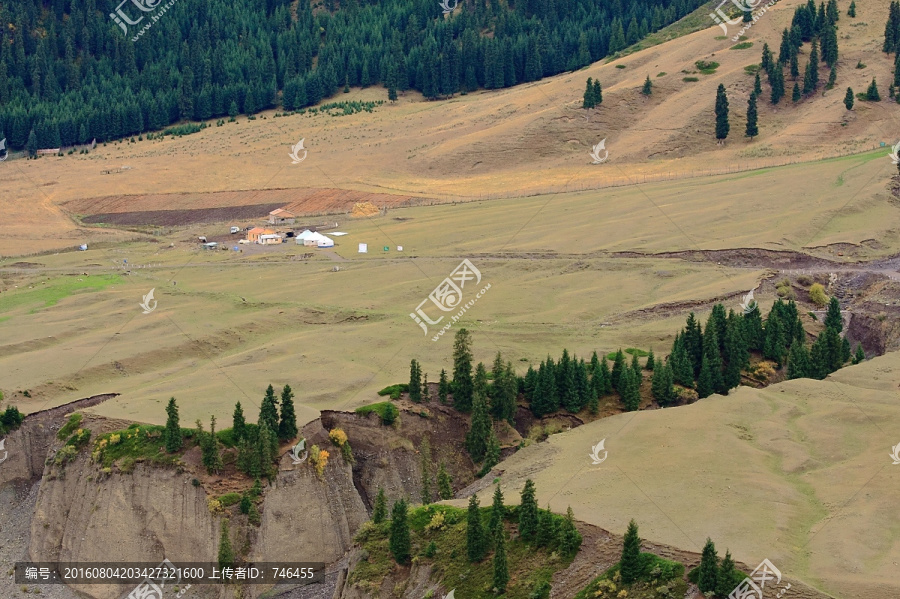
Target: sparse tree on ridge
point(172, 433)
point(851, 12)
point(444, 482)
point(647, 89)
point(501, 567)
point(462, 385)
point(476, 545)
point(528, 513)
point(379, 512)
point(287, 426)
point(709, 568)
point(752, 129)
point(400, 544)
point(238, 423)
point(848, 99)
point(872, 94)
point(630, 564)
point(226, 553)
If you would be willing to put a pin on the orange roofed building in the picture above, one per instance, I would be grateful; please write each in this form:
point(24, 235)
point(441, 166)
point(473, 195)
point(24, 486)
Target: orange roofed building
point(254, 233)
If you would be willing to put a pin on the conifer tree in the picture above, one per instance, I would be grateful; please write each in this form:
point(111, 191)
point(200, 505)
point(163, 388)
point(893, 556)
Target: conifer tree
point(226, 553)
point(636, 369)
point(528, 513)
point(833, 317)
point(798, 361)
point(268, 410)
point(399, 541)
point(444, 482)
point(211, 458)
point(766, 62)
point(491, 454)
point(846, 354)
point(713, 357)
point(757, 85)
point(784, 51)
point(546, 534)
point(795, 66)
point(735, 354)
point(631, 395)
point(693, 342)
point(462, 371)
point(829, 45)
point(238, 423)
point(709, 568)
point(647, 89)
point(480, 429)
point(605, 383)
point(752, 130)
point(832, 78)
point(598, 93)
point(379, 512)
point(565, 382)
point(569, 537)
point(872, 94)
point(501, 568)
point(426, 394)
point(777, 83)
point(860, 355)
point(287, 426)
point(582, 385)
point(811, 77)
point(415, 382)
point(705, 384)
point(498, 512)
point(682, 370)
point(795, 95)
point(851, 12)
point(476, 545)
point(848, 99)
point(589, 101)
point(725, 576)
point(661, 387)
point(630, 564)
point(443, 387)
point(172, 433)
point(617, 370)
point(722, 125)
point(651, 361)
point(31, 146)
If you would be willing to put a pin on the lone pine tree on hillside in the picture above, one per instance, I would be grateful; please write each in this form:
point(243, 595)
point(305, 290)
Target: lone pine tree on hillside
point(872, 94)
point(476, 543)
point(238, 423)
point(400, 544)
point(226, 553)
point(851, 12)
point(752, 130)
point(648, 86)
point(379, 512)
point(462, 385)
point(777, 83)
point(722, 125)
point(172, 433)
point(709, 568)
point(848, 98)
point(287, 426)
point(630, 563)
point(528, 513)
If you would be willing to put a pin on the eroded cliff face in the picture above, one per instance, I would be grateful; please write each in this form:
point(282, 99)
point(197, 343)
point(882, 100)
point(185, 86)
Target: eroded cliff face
point(85, 515)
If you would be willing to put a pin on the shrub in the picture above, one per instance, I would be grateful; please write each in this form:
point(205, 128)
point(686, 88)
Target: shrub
point(337, 436)
point(229, 499)
point(80, 438)
point(689, 79)
point(620, 66)
point(115, 439)
point(195, 482)
point(319, 459)
point(65, 455)
point(395, 389)
point(805, 280)
point(386, 410)
point(431, 549)
point(10, 419)
point(785, 292)
point(752, 69)
point(817, 295)
point(69, 427)
point(706, 67)
point(215, 506)
point(437, 522)
point(741, 46)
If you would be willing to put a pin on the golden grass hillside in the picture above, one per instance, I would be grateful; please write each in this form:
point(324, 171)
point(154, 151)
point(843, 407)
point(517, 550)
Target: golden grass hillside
point(524, 140)
point(798, 473)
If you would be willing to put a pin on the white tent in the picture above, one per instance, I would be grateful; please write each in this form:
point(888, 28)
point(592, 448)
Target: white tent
point(301, 237)
point(314, 239)
point(325, 243)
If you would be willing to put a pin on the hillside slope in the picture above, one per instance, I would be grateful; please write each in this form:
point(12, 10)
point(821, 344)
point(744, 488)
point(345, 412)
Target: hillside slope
point(798, 473)
point(517, 141)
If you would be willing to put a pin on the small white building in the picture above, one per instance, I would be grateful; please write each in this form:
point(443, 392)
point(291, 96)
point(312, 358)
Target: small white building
point(270, 239)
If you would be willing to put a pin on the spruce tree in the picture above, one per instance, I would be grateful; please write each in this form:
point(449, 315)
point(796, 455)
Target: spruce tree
point(565, 382)
point(462, 385)
point(569, 537)
point(172, 434)
point(795, 95)
point(598, 93)
point(705, 384)
point(443, 387)
point(210, 449)
point(860, 355)
point(722, 125)
point(848, 99)
point(226, 553)
point(709, 568)
point(528, 513)
point(268, 411)
point(425, 453)
point(589, 101)
point(752, 129)
point(546, 534)
point(846, 353)
point(795, 66)
point(444, 482)
point(480, 429)
point(833, 318)
point(498, 512)
point(651, 361)
point(636, 369)
point(832, 78)
point(476, 545)
point(736, 354)
point(766, 62)
point(31, 146)
point(725, 577)
point(682, 370)
point(631, 395)
point(777, 83)
point(647, 89)
point(872, 94)
point(605, 383)
point(399, 544)
point(238, 423)
point(379, 512)
point(851, 12)
point(757, 85)
point(287, 426)
point(713, 357)
point(491, 454)
point(798, 361)
point(501, 568)
point(415, 382)
point(784, 51)
point(630, 564)
point(617, 370)
point(426, 395)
